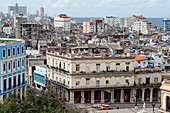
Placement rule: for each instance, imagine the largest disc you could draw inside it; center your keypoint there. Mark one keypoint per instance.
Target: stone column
(1, 98)
(132, 95)
(17, 93)
(82, 97)
(143, 95)
(112, 96)
(102, 96)
(92, 96)
(21, 93)
(25, 91)
(151, 94)
(71, 96)
(122, 96)
(159, 95)
(7, 95)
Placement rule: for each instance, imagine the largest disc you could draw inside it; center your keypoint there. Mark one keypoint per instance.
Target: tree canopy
(46, 102)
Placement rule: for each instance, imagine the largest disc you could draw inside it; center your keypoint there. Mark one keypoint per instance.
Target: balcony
(140, 70)
(98, 86)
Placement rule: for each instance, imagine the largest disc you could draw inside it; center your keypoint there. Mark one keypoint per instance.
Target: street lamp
(153, 105)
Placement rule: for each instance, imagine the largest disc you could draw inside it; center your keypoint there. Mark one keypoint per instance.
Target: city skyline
(95, 8)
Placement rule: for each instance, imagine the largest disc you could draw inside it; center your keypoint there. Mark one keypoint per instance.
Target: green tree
(46, 102)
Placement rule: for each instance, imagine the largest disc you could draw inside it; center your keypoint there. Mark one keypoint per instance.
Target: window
(52, 75)
(4, 67)
(117, 81)
(127, 63)
(156, 80)
(98, 68)
(14, 51)
(13, 64)
(87, 68)
(77, 83)
(127, 68)
(117, 66)
(19, 80)
(14, 81)
(4, 54)
(97, 83)
(77, 67)
(22, 50)
(22, 62)
(107, 81)
(127, 81)
(9, 52)
(56, 78)
(9, 82)
(87, 81)
(9, 66)
(18, 50)
(140, 80)
(64, 81)
(18, 63)
(23, 78)
(147, 80)
(64, 65)
(108, 68)
(68, 82)
(4, 81)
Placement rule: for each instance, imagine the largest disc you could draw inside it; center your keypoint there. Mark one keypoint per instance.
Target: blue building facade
(40, 74)
(12, 68)
(166, 25)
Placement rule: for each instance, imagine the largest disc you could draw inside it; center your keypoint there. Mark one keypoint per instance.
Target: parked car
(98, 105)
(105, 107)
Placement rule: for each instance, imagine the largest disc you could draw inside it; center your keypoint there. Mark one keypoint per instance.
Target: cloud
(129, 3)
(61, 3)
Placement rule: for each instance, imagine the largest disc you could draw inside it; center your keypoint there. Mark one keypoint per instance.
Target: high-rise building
(17, 26)
(166, 25)
(62, 23)
(19, 10)
(12, 68)
(128, 22)
(42, 11)
(142, 27)
(87, 27)
(112, 21)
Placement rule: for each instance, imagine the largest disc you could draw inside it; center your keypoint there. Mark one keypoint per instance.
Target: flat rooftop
(9, 41)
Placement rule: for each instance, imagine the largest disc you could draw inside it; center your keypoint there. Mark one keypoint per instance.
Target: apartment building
(32, 61)
(91, 78)
(112, 21)
(29, 30)
(87, 27)
(142, 27)
(12, 68)
(166, 25)
(128, 22)
(62, 23)
(40, 74)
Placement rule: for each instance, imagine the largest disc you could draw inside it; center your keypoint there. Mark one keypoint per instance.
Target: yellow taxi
(105, 107)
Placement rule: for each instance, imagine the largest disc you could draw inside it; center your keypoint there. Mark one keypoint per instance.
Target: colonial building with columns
(165, 97)
(147, 84)
(12, 68)
(100, 77)
(91, 79)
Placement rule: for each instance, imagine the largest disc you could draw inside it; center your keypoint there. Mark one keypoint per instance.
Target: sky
(94, 8)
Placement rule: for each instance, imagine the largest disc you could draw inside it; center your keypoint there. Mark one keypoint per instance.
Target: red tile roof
(140, 58)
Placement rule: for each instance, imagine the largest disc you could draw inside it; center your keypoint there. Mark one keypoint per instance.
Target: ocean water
(155, 21)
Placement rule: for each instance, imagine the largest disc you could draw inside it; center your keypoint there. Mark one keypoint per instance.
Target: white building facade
(62, 22)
